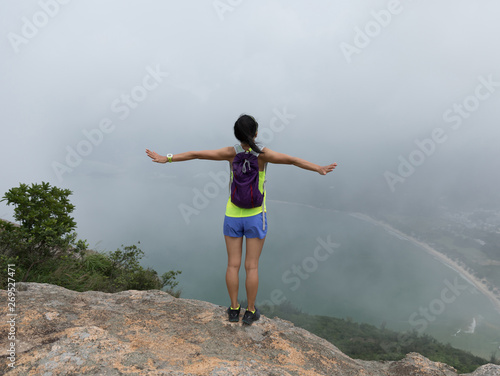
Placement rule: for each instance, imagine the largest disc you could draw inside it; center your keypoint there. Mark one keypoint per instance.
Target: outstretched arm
(215, 155)
(280, 158)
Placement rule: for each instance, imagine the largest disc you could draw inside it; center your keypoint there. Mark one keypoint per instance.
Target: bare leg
(253, 251)
(234, 250)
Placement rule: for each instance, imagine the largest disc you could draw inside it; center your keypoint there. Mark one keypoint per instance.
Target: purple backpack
(245, 191)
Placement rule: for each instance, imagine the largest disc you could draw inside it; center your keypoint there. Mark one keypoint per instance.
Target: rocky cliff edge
(63, 332)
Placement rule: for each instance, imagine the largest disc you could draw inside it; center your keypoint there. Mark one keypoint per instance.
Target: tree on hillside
(45, 229)
(43, 247)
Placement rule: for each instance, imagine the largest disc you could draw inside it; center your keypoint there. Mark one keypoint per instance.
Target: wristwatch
(169, 157)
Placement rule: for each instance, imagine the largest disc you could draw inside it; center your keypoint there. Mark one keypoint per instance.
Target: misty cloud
(87, 86)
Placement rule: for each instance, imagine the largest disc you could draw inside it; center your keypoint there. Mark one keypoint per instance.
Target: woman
(241, 222)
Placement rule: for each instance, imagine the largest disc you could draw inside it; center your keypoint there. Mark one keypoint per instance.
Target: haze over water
(372, 276)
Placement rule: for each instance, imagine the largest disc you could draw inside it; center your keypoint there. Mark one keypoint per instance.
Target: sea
(334, 263)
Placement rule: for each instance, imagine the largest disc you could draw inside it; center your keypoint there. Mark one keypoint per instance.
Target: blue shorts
(251, 227)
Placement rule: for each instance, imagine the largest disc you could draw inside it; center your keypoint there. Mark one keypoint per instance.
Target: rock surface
(63, 332)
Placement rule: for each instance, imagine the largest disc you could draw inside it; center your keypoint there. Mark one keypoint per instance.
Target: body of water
(330, 263)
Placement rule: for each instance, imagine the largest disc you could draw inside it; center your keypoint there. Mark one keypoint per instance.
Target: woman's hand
(156, 157)
(323, 170)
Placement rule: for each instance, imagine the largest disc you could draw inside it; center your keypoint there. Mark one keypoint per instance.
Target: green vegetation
(367, 342)
(44, 248)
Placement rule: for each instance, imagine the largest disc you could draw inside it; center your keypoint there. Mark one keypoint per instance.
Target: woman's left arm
(280, 158)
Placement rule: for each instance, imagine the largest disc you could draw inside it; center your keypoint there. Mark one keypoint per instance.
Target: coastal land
(481, 285)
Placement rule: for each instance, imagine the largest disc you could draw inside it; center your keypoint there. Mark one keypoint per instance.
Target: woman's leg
(253, 251)
(234, 250)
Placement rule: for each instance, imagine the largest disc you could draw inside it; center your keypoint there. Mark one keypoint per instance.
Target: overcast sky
(389, 90)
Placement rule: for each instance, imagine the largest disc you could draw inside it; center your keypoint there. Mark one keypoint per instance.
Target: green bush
(125, 272)
(46, 227)
(97, 263)
(44, 248)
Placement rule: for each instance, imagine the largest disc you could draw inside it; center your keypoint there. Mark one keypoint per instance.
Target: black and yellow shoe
(234, 314)
(249, 317)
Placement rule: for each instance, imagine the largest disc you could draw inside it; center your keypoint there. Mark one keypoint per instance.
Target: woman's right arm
(223, 154)
(280, 158)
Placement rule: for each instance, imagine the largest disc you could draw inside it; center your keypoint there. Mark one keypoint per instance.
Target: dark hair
(245, 130)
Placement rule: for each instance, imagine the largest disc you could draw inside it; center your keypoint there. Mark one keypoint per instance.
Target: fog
(402, 95)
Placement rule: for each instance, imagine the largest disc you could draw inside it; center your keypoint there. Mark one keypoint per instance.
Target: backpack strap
(238, 148)
(264, 201)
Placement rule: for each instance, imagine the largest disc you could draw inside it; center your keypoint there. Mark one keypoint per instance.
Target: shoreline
(473, 280)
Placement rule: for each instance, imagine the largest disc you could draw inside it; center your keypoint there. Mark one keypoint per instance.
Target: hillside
(365, 341)
(60, 332)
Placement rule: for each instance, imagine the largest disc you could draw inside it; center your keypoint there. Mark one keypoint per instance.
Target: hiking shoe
(249, 317)
(234, 314)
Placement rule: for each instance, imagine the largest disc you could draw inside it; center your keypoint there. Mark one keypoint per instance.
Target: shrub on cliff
(45, 230)
(44, 248)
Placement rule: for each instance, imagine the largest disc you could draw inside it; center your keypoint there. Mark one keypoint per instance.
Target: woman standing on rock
(246, 206)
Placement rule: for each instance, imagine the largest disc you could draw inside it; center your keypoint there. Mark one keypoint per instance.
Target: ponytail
(254, 146)
(245, 129)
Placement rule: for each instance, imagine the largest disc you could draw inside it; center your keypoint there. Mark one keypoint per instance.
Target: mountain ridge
(60, 331)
